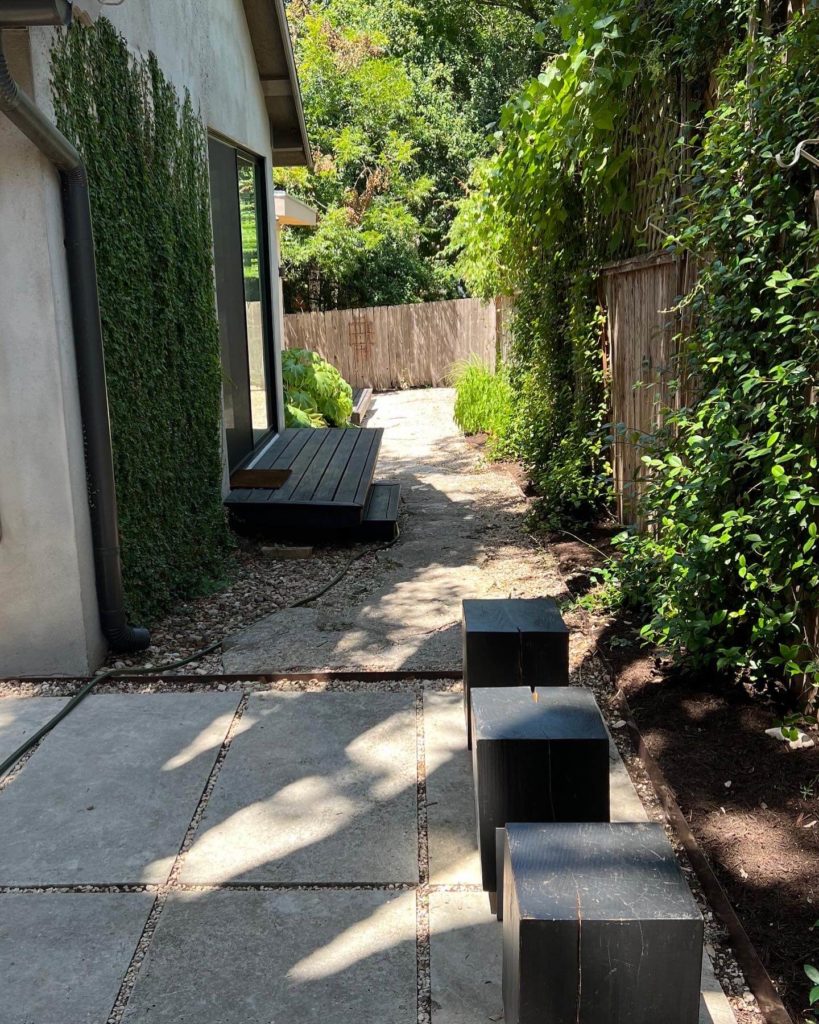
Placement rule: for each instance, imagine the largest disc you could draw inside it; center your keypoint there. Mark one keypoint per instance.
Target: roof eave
(270, 35)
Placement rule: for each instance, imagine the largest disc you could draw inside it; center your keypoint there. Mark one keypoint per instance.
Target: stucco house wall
(48, 605)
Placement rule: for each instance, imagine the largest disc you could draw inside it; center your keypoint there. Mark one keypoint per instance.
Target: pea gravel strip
(145, 939)
(422, 936)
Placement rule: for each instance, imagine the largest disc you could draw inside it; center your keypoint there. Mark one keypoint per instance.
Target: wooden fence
(643, 363)
(401, 346)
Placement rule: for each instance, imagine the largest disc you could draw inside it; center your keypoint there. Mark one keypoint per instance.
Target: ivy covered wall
(145, 151)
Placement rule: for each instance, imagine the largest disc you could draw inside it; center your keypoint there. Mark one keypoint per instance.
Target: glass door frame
(231, 290)
(261, 173)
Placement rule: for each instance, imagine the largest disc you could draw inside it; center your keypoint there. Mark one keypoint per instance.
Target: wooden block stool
(513, 642)
(536, 757)
(599, 927)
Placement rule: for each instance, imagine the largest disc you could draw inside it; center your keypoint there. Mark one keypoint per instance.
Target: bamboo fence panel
(385, 347)
(646, 373)
(504, 314)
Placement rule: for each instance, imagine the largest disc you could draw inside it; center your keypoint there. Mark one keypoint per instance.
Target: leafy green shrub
(729, 569)
(315, 393)
(146, 155)
(813, 975)
(483, 402)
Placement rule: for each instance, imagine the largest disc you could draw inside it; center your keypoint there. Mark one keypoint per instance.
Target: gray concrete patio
(247, 858)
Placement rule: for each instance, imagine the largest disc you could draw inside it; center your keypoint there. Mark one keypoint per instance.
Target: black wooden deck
(331, 476)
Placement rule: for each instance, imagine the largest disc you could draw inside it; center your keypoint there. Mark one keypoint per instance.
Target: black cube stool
(513, 642)
(536, 757)
(599, 927)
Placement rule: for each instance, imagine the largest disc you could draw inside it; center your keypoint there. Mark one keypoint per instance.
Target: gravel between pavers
(172, 684)
(259, 584)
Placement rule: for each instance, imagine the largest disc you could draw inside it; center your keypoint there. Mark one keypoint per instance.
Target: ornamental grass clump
(483, 403)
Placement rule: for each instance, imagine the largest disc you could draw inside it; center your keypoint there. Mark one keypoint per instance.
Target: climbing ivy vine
(586, 151)
(145, 151)
(586, 173)
(729, 568)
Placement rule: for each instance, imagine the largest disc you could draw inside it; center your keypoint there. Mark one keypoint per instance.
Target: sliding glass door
(241, 254)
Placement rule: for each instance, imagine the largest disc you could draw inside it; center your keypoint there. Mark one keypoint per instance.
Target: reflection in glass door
(252, 267)
(241, 257)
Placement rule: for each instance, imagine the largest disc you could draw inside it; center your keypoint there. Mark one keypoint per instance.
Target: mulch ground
(752, 803)
(754, 807)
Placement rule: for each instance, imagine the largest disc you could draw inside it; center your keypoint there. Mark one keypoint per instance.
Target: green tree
(399, 99)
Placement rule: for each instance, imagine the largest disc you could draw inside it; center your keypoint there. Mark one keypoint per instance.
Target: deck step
(380, 520)
(362, 398)
(327, 490)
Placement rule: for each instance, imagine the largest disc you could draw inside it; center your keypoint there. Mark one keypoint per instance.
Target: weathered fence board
(644, 365)
(384, 347)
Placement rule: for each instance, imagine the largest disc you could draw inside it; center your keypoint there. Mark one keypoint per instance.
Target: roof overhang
(270, 35)
(293, 212)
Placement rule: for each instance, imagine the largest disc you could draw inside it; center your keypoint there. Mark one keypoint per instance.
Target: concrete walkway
(285, 854)
(267, 857)
(461, 537)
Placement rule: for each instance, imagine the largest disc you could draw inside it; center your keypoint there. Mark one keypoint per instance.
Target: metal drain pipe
(87, 328)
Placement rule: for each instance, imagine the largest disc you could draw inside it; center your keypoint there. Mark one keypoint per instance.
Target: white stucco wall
(48, 609)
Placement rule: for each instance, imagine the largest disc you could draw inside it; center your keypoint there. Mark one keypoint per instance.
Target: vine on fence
(584, 153)
(146, 158)
(729, 568)
(583, 175)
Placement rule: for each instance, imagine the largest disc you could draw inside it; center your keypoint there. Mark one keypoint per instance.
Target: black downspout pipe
(85, 316)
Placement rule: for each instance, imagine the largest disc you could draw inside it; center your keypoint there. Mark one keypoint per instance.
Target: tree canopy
(400, 101)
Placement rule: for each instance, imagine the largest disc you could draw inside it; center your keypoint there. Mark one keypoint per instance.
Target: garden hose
(35, 738)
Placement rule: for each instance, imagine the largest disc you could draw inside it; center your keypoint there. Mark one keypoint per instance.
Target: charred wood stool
(536, 757)
(513, 642)
(599, 927)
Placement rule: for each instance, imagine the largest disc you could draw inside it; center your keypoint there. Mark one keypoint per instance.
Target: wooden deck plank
(238, 495)
(269, 455)
(293, 440)
(277, 455)
(395, 502)
(328, 485)
(306, 487)
(301, 463)
(368, 471)
(350, 481)
(377, 503)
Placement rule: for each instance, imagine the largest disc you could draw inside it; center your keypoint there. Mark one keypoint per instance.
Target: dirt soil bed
(754, 807)
(752, 803)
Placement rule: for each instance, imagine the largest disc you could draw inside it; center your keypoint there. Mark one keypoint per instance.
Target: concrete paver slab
(251, 957)
(466, 958)
(320, 787)
(714, 1007)
(63, 955)
(21, 717)
(453, 851)
(624, 800)
(109, 795)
